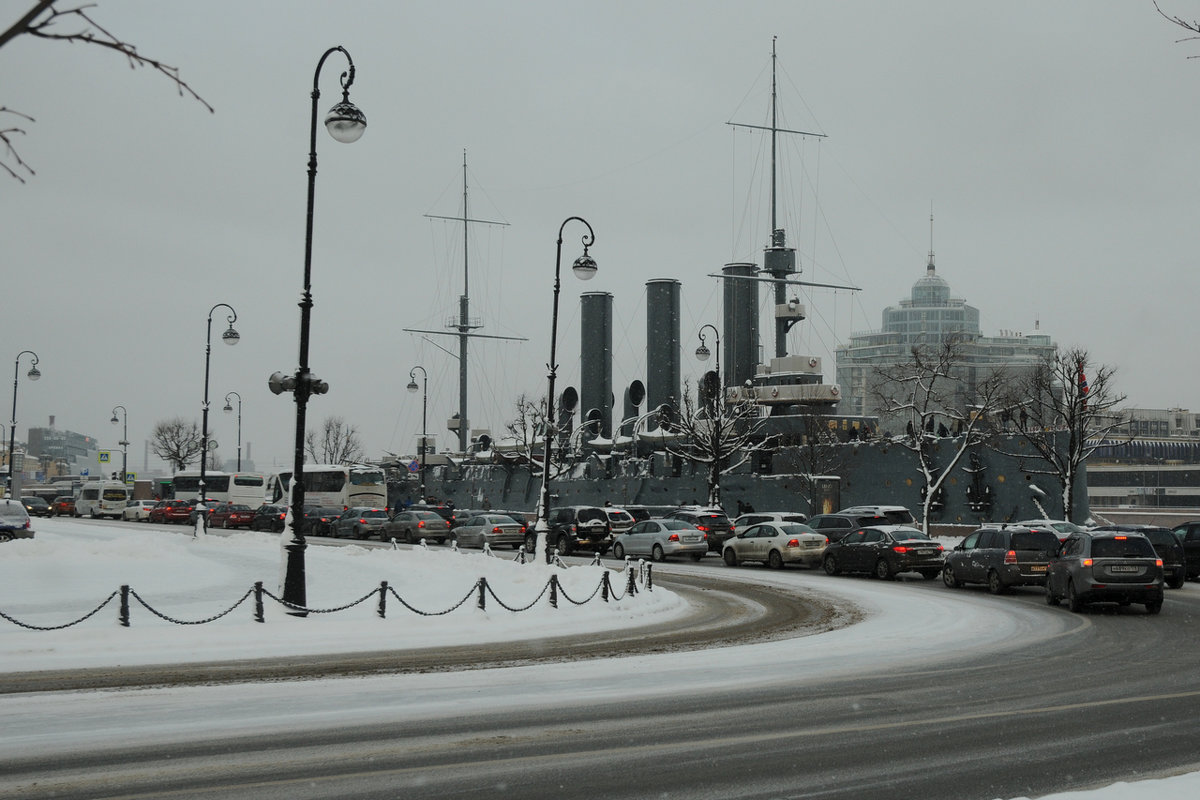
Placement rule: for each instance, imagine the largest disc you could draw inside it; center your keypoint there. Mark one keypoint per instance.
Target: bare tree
(337, 443)
(718, 434)
(819, 453)
(1065, 409)
(1193, 26)
(72, 25)
(939, 407)
(527, 433)
(176, 441)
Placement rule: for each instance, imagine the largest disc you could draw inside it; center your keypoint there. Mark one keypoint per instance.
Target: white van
(102, 499)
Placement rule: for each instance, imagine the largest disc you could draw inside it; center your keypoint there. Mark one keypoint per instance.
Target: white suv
(897, 515)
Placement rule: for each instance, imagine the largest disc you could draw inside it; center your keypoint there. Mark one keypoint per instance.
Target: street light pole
(702, 353)
(412, 387)
(230, 337)
(14, 480)
(228, 408)
(124, 441)
(345, 123)
(584, 269)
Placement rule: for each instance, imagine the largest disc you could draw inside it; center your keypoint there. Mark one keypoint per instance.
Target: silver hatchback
(490, 529)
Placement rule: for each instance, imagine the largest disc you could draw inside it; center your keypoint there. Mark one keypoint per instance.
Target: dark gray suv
(1106, 566)
(1001, 557)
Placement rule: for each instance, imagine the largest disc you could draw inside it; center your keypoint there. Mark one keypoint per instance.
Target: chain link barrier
(480, 589)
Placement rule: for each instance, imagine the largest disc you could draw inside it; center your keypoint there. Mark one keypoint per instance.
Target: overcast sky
(1054, 141)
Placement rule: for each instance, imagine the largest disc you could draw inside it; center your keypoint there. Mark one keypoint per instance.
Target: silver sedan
(659, 538)
(494, 529)
(776, 544)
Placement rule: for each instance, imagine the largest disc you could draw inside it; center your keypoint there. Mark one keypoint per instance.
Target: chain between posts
(480, 590)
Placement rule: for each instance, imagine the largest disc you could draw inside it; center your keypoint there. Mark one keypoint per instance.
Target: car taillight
(702, 528)
(901, 549)
(1158, 562)
(496, 529)
(522, 529)
(1010, 557)
(363, 521)
(793, 543)
(1085, 562)
(674, 537)
(421, 524)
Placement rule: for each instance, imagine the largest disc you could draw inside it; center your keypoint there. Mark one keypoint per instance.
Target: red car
(230, 515)
(63, 506)
(171, 511)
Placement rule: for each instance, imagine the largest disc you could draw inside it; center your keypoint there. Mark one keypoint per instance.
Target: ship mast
(779, 260)
(464, 324)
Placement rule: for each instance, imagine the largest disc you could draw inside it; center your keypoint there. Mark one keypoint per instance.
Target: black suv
(1001, 557)
(1188, 535)
(1106, 566)
(268, 518)
(835, 526)
(1168, 547)
(575, 528)
(712, 521)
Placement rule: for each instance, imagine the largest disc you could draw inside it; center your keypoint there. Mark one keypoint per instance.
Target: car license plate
(691, 538)
(1038, 568)
(925, 552)
(1124, 568)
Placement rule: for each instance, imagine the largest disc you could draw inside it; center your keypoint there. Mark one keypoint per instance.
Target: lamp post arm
(12, 431)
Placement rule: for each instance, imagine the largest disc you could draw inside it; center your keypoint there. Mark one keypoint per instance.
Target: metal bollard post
(521, 555)
(630, 582)
(482, 591)
(125, 606)
(554, 591)
(650, 577)
(605, 588)
(258, 603)
(383, 587)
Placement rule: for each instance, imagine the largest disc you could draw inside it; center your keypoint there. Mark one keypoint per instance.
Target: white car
(753, 518)
(138, 510)
(776, 544)
(659, 538)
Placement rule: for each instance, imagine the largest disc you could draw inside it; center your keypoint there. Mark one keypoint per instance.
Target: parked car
(413, 526)
(749, 520)
(660, 538)
(14, 521)
(1188, 535)
(1061, 526)
(712, 521)
(884, 551)
(1106, 566)
(63, 506)
(1166, 545)
(138, 510)
(492, 529)
(230, 515)
(359, 522)
(575, 528)
(835, 526)
(776, 544)
(640, 513)
(896, 515)
(36, 506)
(268, 517)
(1001, 557)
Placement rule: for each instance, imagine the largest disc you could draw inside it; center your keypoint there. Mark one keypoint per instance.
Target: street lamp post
(702, 353)
(230, 337)
(345, 123)
(14, 479)
(228, 408)
(584, 269)
(412, 387)
(124, 440)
